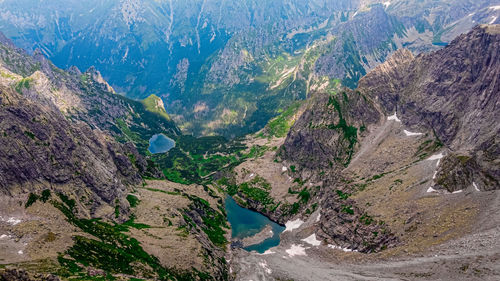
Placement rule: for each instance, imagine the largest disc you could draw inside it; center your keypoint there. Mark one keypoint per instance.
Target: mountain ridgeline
(227, 67)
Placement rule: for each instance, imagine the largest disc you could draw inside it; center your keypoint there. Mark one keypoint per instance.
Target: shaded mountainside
(41, 149)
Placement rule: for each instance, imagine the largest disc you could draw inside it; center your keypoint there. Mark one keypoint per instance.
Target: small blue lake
(440, 44)
(160, 144)
(246, 223)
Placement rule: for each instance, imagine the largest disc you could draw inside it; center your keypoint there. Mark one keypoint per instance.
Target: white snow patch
(284, 169)
(263, 264)
(296, 250)
(436, 157)
(291, 225)
(268, 252)
(411, 134)
(495, 7)
(394, 117)
(11, 220)
(458, 191)
(20, 252)
(431, 190)
(318, 217)
(493, 20)
(3, 236)
(435, 174)
(475, 186)
(312, 240)
(387, 4)
(340, 248)
(252, 175)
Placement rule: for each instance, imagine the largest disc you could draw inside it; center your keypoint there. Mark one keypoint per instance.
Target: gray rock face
(347, 225)
(326, 135)
(40, 147)
(321, 144)
(453, 92)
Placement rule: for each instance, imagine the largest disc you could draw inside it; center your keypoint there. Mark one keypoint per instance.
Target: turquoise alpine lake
(246, 223)
(160, 144)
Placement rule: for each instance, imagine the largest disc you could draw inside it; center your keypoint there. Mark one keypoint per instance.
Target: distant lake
(160, 144)
(246, 223)
(440, 44)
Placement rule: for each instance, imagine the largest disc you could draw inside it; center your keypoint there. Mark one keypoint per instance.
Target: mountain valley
(359, 137)
(225, 67)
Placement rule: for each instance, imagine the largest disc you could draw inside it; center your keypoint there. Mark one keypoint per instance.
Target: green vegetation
(214, 222)
(304, 196)
(279, 126)
(133, 200)
(154, 104)
(350, 133)
(376, 177)
(111, 249)
(24, 83)
(366, 219)
(175, 193)
(342, 195)
(32, 198)
(347, 209)
(427, 148)
(295, 208)
(256, 151)
(30, 135)
(194, 160)
(352, 62)
(131, 128)
(258, 190)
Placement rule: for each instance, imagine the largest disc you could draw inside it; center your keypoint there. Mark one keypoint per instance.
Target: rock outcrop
(453, 93)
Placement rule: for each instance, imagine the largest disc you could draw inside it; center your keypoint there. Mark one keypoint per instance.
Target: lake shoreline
(258, 238)
(251, 230)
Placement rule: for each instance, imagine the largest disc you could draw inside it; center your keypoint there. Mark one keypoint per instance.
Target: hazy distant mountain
(229, 66)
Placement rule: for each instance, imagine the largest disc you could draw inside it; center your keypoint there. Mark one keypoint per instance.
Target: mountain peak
(155, 104)
(95, 75)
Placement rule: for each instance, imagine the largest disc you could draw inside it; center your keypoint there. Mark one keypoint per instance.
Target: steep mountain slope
(403, 165)
(435, 93)
(75, 190)
(227, 67)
